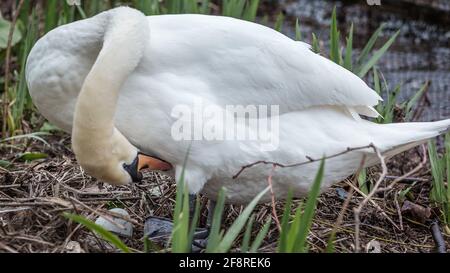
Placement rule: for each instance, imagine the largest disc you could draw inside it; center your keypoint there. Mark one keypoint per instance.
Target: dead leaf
(417, 212)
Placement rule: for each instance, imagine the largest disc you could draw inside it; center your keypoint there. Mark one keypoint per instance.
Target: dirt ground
(34, 195)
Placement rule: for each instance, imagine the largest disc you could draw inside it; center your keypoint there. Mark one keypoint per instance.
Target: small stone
(74, 247)
(156, 227)
(373, 247)
(342, 193)
(120, 226)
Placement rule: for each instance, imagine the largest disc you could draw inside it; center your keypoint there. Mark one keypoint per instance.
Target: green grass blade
(298, 32)
(68, 15)
(261, 235)
(24, 13)
(251, 10)
(238, 224)
(377, 88)
(93, 8)
(437, 173)
(349, 50)
(146, 244)
(447, 163)
(308, 214)
(376, 56)
(205, 9)
(368, 47)
(181, 221)
(279, 22)
(315, 44)
(35, 136)
(106, 235)
(23, 99)
(5, 27)
(248, 233)
(414, 100)
(334, 38)
(293, 230)
(5, 164)
(376, 80)
(214, 233)
(362, 181)
(31, 156)
(282, 240)
(51, 16)
(149, 246)
(190, 6)
(180, 231)
(390, 105)
(194, 222)
(238, 8)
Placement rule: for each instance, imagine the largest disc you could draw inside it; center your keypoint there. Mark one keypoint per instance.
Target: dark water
(421, 51)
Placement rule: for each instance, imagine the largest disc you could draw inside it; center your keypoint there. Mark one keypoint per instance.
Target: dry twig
(358, 210)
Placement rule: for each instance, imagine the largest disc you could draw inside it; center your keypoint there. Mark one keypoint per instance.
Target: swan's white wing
(231, 61)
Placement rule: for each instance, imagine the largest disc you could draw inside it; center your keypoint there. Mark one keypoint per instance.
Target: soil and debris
(34, 195)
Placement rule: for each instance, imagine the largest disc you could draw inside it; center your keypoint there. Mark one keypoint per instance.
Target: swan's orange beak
(153, 163)
(143, 161)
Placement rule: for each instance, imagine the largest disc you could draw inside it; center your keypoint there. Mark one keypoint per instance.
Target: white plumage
(222, 61)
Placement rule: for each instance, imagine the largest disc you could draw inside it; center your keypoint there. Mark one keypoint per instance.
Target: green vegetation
(17, 109)
(440, 169)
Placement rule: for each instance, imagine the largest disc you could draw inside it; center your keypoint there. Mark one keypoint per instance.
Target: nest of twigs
(33, 197)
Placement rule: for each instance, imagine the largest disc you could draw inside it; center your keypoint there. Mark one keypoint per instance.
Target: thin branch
(399, 211)
(412, 179)
(310, 160)
(375, 205)
(346, 203)
(7, 248)
(413, 171)
(272, 194)
(358, 210)
(338, 223)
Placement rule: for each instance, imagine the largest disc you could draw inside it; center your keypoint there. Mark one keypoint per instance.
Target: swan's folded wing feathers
(247, 63)
(320, 81)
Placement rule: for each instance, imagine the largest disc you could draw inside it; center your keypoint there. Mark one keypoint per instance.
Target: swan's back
(225, 60)
(247, 63)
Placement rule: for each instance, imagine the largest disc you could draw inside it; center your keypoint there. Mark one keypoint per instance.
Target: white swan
(133, 70)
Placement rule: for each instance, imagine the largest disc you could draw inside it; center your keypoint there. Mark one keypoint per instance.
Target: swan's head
(111, 158)
(100, 148)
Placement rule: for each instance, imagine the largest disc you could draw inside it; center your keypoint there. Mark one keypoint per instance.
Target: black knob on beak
(133, 170)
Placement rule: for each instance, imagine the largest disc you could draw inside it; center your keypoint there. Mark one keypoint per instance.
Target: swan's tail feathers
(404, 136)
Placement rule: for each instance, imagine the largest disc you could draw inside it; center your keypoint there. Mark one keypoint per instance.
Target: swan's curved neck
(99, 147)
